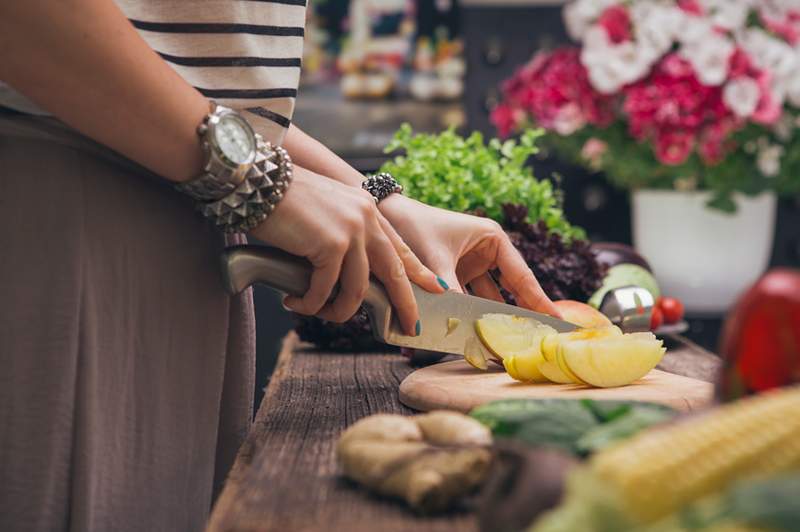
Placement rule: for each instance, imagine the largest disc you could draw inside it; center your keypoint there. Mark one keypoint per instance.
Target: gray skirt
(126, 372)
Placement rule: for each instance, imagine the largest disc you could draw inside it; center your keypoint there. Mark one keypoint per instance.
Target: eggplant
(613, 253)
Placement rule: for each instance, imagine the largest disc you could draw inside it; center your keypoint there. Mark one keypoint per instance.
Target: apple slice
(503, 334)
(553, 368)
(549, 367)
(476, 354)
(524, 365)
(452, 325)
(553, 373)
(615, 360)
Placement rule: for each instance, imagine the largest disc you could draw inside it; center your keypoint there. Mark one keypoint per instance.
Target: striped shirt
(245, 54)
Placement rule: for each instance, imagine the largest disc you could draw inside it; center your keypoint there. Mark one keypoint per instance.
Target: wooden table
(285, 476)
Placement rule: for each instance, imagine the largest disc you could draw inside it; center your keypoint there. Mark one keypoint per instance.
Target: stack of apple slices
(533, 352)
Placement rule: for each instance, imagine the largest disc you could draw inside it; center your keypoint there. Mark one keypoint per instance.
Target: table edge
(227, 498)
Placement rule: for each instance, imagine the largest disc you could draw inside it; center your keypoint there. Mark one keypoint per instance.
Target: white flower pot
(704, 257)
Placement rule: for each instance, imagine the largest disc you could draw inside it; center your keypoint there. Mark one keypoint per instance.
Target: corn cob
(660, 470)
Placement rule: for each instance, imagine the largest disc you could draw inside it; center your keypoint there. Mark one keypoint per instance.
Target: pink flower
(676, 66)
(740, 64)
(505, 118)
(673, 109)
(691, 6)
(593, 151)
(569, 119)
(671, 97)
(715, 142)
(554, 89)
(769, 108)
(674, 147)
(788, 28)
(617, 23)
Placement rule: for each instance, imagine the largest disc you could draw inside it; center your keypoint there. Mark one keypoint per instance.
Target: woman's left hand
(463, 249)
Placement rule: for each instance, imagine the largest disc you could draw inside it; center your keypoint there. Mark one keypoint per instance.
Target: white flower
(656, 26)
(695, 30)
(727, 14)
(569, 119)
(612, 66)
(791, 83)
(581, 14)
(773, 55)
(741, 96)
(792, 88)
(709, 58)
(777, 9)
(769, 160)
(784, 128)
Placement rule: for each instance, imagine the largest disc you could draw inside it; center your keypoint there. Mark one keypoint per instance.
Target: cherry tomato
(656, 318)
(671, 308)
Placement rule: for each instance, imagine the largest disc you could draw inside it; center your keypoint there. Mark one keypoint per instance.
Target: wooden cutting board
(455, 385)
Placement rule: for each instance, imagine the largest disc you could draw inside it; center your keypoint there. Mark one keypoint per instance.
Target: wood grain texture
(285, 476)
(455, 385)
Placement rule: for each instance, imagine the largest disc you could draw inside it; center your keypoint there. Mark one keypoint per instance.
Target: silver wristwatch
(230, 148)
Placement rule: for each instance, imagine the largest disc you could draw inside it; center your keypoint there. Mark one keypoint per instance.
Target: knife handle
(243, 266)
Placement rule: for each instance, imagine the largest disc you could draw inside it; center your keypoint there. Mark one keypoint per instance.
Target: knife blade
(243, 266)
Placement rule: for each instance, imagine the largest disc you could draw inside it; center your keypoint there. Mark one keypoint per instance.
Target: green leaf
(466, 174)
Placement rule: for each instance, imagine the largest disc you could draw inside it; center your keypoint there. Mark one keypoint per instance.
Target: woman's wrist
(393, 206)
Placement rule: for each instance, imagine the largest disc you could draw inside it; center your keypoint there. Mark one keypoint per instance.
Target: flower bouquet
(670, 94)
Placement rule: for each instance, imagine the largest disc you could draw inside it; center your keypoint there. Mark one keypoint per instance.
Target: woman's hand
(463, 249)
(340, 231)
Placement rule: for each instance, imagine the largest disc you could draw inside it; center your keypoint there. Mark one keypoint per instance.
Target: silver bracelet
(255, 198)
(381, 185)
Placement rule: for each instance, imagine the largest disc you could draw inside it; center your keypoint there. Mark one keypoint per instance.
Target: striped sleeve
(245, 54)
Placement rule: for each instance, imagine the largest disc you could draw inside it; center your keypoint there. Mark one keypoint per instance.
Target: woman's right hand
(341, 232)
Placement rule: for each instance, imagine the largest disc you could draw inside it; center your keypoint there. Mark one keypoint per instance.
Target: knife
(243, 266)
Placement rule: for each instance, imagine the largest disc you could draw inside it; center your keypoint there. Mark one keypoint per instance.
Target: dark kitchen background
(437, 64)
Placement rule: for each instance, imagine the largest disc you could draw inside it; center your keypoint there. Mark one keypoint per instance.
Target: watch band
(381, 185)
(206, 187)
(217, 179)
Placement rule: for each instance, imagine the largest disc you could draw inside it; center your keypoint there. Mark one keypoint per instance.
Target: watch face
(235, 139)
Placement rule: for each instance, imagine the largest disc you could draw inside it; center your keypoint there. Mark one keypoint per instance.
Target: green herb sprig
(466, 174)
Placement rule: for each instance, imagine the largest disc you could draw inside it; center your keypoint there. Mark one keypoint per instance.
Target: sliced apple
(565, 369)
(553, 373)
(503, 334)
(553, 368)
(581, 314)
(611, 361)
(549, 367)
(524, 365)
(452, 325)
(476, 354)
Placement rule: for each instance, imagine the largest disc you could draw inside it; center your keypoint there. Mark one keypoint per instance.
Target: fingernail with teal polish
(442, 283)
(418, 328)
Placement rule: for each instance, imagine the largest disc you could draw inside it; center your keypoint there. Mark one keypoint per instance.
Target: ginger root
(428, 460)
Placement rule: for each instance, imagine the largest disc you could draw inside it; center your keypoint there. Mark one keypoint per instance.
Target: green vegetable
(465, 175)
(580, 426)
(621, 427)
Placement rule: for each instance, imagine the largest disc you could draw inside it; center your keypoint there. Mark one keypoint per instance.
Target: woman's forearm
(82, 61)
(312, 154)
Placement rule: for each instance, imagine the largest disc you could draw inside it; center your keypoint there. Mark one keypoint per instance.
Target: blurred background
(371, 65)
